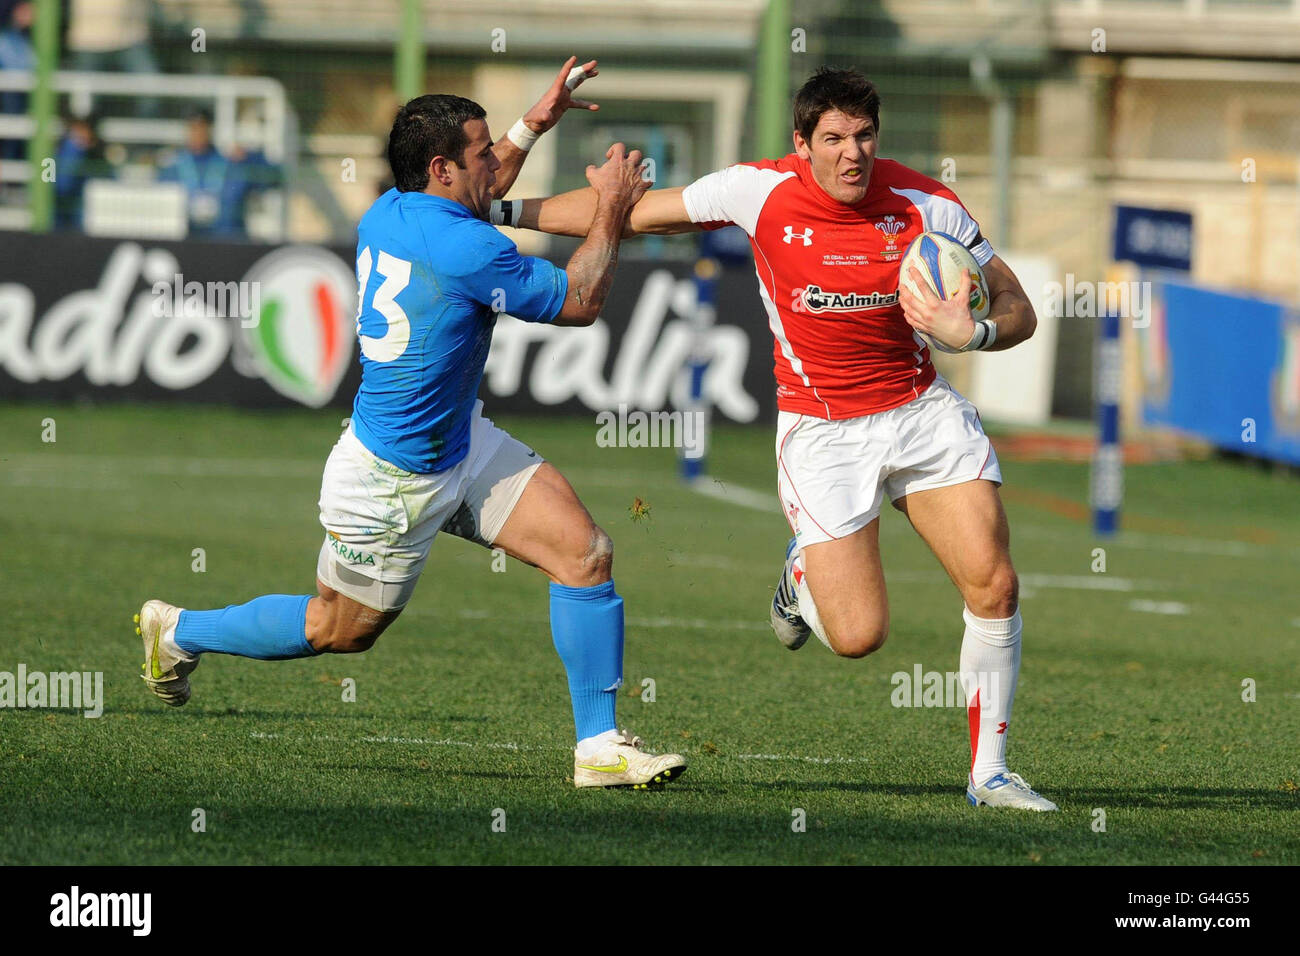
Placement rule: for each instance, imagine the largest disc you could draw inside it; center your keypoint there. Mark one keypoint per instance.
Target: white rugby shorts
(380, 520)
(832, 475)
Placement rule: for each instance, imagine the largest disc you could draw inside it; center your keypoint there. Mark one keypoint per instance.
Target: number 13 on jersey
(396, 275)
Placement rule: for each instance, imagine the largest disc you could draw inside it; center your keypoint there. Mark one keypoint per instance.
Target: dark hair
(426, 127)
(835, 89)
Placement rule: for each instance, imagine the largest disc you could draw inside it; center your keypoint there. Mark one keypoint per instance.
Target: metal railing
(273, 130)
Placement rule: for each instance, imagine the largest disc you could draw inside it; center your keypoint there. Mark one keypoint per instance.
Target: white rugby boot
(791, 629)
(1007, 790)
(166, 668)
(622, 763)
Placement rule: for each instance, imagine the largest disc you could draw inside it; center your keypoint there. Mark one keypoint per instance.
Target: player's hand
(548, 110)
(946, 320)
(622, 178)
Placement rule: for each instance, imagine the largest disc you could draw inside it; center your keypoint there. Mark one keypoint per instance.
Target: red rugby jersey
(828, 276)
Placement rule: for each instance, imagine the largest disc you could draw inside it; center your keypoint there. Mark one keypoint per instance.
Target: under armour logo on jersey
(791, 236)
(1002, 726)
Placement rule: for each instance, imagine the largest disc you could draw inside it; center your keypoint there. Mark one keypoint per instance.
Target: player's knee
(335, 633)
(356, 641)
(594, 562)
(999, 596)
(858, 639)
(348, 638)
(599, 559)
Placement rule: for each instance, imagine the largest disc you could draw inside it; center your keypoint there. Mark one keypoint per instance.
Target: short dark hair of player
(426, 127)
(829, 89)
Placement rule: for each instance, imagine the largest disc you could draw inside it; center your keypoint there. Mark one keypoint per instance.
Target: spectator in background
(252, 173)
(214, 187)
(80, 157)
(15, 54)
(112, 35)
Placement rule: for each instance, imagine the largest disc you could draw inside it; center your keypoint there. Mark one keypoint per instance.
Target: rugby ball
(940, 259)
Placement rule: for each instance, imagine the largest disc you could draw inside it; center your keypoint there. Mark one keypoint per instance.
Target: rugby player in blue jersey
(419, 457)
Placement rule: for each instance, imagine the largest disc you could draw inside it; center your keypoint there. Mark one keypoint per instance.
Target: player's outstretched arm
(512, 148)
(616, 187)
(660, 212)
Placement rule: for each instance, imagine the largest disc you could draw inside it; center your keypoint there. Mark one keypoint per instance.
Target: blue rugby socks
(269, 628)
(587, 628)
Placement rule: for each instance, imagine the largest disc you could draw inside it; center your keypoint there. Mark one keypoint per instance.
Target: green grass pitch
(1124, 705)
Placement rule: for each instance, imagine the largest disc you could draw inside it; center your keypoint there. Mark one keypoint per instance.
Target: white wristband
(985, 334)
(522, 136)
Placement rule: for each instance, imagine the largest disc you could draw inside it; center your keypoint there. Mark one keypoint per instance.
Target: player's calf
(855, 629)
(842, 594)
(550, 529)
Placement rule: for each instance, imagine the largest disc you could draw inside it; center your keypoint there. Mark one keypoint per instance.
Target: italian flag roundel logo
(301, 342)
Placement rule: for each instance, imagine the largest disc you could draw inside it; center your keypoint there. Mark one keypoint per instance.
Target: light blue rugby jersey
(430, 275)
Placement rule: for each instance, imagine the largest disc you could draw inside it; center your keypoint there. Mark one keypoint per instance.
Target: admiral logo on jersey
(815, 300)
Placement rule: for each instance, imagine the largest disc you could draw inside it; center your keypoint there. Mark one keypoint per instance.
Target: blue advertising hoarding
(1223, 367)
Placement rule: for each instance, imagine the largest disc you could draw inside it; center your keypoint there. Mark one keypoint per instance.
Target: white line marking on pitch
(1067, 582)
(699, 623)
(1161, 542)
(802, 759)
(1159, 607)
(735, 494)
(175, 465)
(690, 623)
(422, 741)
(1231, 549)
(1081, 582)
(508, 745)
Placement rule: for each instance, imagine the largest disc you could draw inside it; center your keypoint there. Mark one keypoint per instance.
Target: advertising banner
(266, 326)
(1225, 368)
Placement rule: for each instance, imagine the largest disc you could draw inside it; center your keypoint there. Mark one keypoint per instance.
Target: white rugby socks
(808, 607)
(588, 747)
(990, 666)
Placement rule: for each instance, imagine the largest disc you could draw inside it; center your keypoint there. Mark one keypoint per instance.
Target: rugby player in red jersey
(862, 411)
